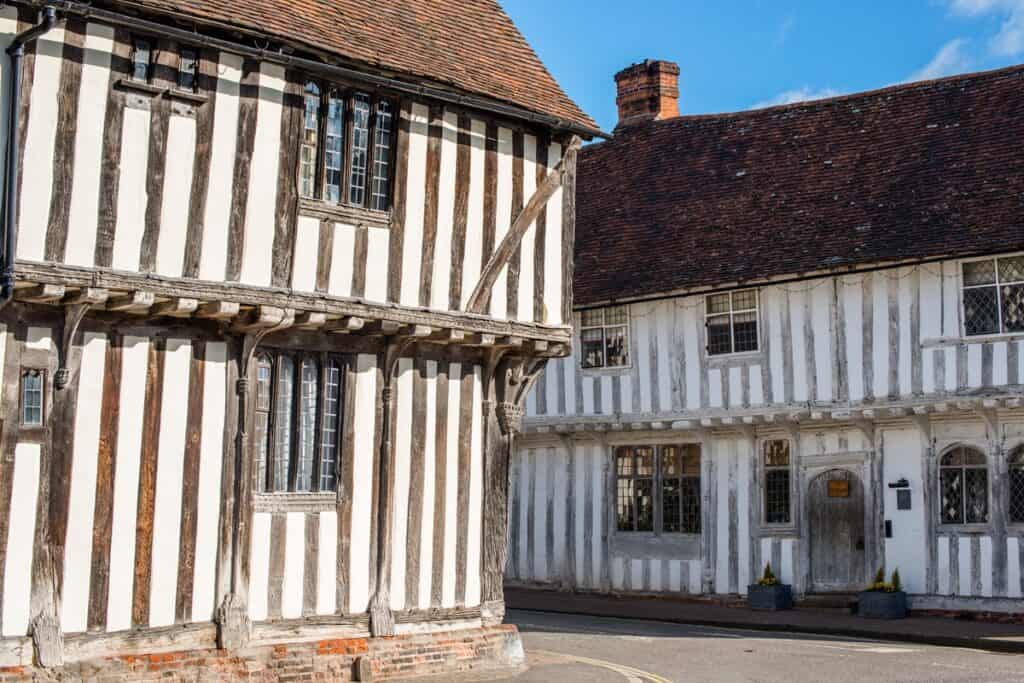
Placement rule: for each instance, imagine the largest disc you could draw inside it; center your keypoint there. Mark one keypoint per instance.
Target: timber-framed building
(278, 277)
(800, 342)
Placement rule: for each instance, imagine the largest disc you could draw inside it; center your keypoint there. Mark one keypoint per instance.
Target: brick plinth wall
(488, 648)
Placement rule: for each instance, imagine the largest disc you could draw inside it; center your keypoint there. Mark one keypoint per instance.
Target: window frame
(1014, 461)
(153, 47)
(756, 310)
(999, 297)
(265, 484)
(604, 326)
(43, 412)
(765, 468)
(657, 479)
(963, 523)
(347, 94)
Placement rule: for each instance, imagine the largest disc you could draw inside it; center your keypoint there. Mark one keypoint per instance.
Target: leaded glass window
(297, 422)
(381, 189)
(963, 487)
(993, 296)
(777, 475)
(347, 143)
(188, 69)
(32, 383)
(310, 141)
(604, 337)
(658, 489)
(142, 59)
(731, 321)
(1016, 507)
(360, 148)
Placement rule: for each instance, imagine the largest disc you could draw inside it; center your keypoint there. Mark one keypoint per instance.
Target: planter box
(880, 605)
(771, 598)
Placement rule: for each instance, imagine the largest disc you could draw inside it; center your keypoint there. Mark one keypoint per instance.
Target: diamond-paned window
(963, 487)
(993, 296)
(1016, 486)
(658, 489)
(604, 337)
(731, 321)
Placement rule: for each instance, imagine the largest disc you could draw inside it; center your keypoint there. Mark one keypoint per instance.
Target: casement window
(296, 425)
(347, 147)
(1016, 507)
(142, 59)
(993, 296)
(604, 337)
(32, 411)
(657, 489)
(731, 321)
(778, 472)
(963, 487)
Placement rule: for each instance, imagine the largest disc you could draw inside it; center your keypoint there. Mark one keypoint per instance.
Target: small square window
(604, 338)
(32, 383)
(188, 70)
(142, 59)
(993, 296)
(731, 322)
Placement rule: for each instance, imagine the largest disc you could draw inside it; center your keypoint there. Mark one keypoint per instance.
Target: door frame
(866, 466)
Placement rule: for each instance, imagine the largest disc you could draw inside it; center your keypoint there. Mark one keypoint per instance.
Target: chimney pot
(647, 91)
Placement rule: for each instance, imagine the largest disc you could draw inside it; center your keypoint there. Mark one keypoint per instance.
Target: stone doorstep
(928, 629)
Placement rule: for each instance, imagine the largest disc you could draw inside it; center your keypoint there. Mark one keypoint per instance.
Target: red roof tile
(910, 172)
(469, 45)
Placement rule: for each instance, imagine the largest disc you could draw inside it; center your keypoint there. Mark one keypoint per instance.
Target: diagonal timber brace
(554, 180)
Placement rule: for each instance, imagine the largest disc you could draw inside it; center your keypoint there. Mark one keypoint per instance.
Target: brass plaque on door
(839, 488)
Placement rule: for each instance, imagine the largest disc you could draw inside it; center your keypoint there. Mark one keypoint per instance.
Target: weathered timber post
(382, 621)
(509, 383)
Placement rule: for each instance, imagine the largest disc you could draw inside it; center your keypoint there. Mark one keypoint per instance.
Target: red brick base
(486, 648)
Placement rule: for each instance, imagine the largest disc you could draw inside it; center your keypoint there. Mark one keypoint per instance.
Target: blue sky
(740, 54)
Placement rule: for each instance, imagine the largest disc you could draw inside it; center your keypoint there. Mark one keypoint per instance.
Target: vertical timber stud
(508, 382)
(233, 625)
(382, 621)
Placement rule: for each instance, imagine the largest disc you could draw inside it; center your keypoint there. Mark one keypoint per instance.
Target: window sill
(616, 371)
(295, 502)
(776, 530)
(139, 87)
(340, 213)
(187, 96)
(965, 529)
(724, 360)
(939, 342)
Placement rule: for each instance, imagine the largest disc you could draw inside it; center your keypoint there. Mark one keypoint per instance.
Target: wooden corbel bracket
(74, 312)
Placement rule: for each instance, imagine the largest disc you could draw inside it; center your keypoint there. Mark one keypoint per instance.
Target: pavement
(937, 631)
(568, 648)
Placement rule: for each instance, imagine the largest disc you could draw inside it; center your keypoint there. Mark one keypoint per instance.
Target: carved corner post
(382, 620)
(233, 626)
(507, 381)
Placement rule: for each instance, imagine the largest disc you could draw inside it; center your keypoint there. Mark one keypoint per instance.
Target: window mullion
(371, 149)
(318, 423)
(656, 494)
(271, 436)
(320, 173)
(296, 435)
(346, 181)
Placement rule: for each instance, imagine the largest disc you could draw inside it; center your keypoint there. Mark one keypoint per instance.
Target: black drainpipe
(16, 50)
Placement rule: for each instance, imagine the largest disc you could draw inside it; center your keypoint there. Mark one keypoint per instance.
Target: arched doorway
(835, 509)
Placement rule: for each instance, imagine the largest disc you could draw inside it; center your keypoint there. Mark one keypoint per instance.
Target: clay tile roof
(916, 171)
(468, 45)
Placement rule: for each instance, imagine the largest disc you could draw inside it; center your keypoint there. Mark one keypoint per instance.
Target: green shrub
(768, 579)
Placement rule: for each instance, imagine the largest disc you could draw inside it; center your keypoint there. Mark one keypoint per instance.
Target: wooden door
(835, 508)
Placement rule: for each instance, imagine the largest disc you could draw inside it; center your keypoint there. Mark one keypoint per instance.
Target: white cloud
(952, 58)
(804, 94)
(1009, 41)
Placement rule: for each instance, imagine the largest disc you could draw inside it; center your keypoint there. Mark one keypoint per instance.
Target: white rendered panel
(82, 503)
(327, 564)
(363, 422)
(342, 260)
(852, 301)
(442, 273)
(986, 566)
(476, 485)
(211, 450)
(499, 292)
(169, 478)
(85, 190)
(400, 488)
(40, 140)
(880, 333)
(181, 147)
(377, 241)
(821, 327)
(539, 570)
(930, 310)
(426, 559)
(259, 568)
(974, 377)
(219, 191)
(799, 358)
(787, 561)
(451, 481)
(662, 329)
(415, 195)
(964, 559)
(999, 364)
(134, 364)
(942, 569)
(693, 353)
(131, 192)
(473, 256)
(307, 246)
(904, 301)
(294, 565)
(1013, 568)
(261, 205)
(17, 574)
(553, 267)
(524, 308)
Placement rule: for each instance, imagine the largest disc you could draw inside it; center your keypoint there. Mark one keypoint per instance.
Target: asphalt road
(580, 649)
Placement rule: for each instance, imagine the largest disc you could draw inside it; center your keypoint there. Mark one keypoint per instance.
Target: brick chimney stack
(647, 91)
